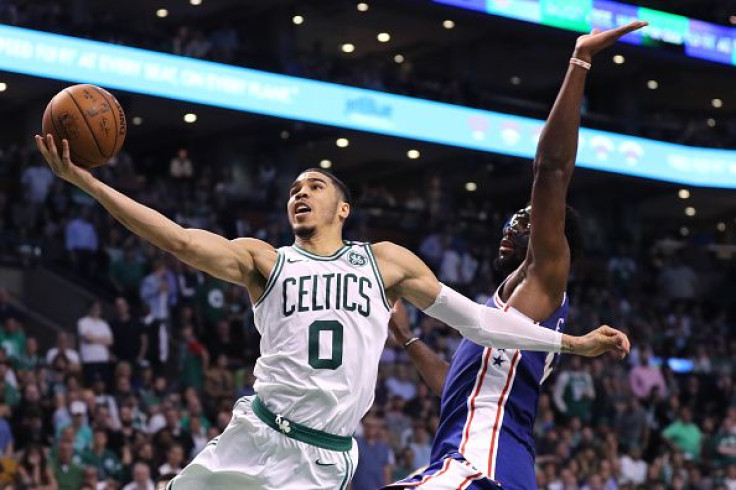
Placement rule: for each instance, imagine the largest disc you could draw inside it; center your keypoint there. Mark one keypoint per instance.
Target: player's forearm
(431, 367)
(492, 327)
(139, 219)
(558, 143)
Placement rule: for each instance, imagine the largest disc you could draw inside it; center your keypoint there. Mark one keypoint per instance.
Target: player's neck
(321, 244)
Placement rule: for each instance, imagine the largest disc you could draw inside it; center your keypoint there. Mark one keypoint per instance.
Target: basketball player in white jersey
(322, 309)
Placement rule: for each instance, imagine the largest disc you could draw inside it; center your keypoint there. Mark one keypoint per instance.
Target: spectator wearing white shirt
(95, 339)
(633, 469)
(174, 461)
(62, 348)
(141, 478)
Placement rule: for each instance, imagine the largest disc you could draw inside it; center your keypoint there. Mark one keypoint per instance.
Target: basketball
(91, 119)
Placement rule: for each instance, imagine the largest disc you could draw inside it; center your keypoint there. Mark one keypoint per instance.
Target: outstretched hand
(601, 340)
(591, 44)
(61, 165)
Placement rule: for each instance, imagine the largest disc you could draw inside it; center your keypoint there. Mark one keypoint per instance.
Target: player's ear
(343, 210)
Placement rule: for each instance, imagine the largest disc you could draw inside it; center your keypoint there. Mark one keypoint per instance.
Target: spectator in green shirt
(725, 443)
(684, 434)
(69, 474)
(13, 338)
(106, 461)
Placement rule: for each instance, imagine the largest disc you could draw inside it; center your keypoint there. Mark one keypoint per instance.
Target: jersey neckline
(314, 256)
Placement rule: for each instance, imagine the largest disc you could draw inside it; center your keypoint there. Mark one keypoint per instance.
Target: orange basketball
(91, 119)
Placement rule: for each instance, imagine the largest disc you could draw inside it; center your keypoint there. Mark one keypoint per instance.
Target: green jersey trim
(348, 470)
(334, 256)
(377, 273)
(299, 432)
(272, 278)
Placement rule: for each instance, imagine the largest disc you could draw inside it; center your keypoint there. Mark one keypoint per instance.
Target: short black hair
(574, 232)
(341, 186)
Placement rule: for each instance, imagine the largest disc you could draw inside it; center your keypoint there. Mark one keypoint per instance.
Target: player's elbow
(179, 244)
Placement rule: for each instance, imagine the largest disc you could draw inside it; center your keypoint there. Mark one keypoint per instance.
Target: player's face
(314, 201)
(514, 242)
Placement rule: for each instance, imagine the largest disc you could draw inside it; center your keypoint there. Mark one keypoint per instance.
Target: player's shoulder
(251, 245)
(389, 250)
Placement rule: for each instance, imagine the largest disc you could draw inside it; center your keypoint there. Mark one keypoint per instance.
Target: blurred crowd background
(125, 395)
(134, 394)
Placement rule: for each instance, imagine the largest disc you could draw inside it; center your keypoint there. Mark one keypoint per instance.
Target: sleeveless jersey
(323, 323)
(489, 403)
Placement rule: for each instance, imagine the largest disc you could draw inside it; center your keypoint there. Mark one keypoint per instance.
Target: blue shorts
(452, 472)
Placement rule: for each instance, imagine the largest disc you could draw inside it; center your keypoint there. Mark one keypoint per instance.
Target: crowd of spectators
(126, 399)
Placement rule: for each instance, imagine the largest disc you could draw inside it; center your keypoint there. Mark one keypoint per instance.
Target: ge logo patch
(357, 259)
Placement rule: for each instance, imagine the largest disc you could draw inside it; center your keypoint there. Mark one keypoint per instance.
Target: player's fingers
(41, 145)
(51, 145)
(66, 156)
(631, 27)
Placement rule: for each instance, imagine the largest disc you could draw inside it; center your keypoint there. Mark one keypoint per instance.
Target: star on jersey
(497, 361)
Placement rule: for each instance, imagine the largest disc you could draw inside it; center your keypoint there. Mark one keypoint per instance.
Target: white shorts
(251, 455)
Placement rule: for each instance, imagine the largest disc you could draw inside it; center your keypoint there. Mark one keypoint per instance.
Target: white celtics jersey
(323, 323)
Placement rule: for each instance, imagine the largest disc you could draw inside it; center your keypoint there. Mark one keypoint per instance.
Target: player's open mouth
(301, 209)
(506, 246)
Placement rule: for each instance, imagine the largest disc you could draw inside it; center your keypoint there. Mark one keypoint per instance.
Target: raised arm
(229, 260)
(431, 367)
(405, 275)
(548, 254)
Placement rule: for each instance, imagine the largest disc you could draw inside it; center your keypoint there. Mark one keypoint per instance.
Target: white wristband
(580, 63)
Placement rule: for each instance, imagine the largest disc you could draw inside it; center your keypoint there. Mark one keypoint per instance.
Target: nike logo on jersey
(291, 261)
(320, 463)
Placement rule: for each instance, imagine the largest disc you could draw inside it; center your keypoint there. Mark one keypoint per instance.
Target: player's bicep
(229, 260)
(411, 278)
(547, 240)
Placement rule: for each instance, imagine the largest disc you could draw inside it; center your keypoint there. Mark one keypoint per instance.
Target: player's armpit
(229, 260)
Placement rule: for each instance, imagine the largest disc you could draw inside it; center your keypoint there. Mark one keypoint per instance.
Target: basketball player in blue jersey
(489, 395)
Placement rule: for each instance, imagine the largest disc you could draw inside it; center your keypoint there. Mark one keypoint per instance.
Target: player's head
(515, 240)
(317, 199)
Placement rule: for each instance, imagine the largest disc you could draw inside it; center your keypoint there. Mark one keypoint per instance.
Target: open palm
(591, 44)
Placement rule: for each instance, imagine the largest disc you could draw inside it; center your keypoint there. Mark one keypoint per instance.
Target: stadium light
(342, 142)
(3, 86)
(399, 58)
(413, 154)
(297, 20)
(619, 59)
(348, 48)
(190, 118)
(652, 85)
(137, 120)
(195, 2)
(384, 37)
(690, 211)
(448, 24)
(161, 13)
(363, 7)
(684, 231)
(515, 80)
(717, 103)
(325, 163)
(721, 226)
(711, 122)
(471, 186)
(683, 194)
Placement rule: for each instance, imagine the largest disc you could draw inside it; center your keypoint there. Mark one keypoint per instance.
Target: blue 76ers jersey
(489, 404)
